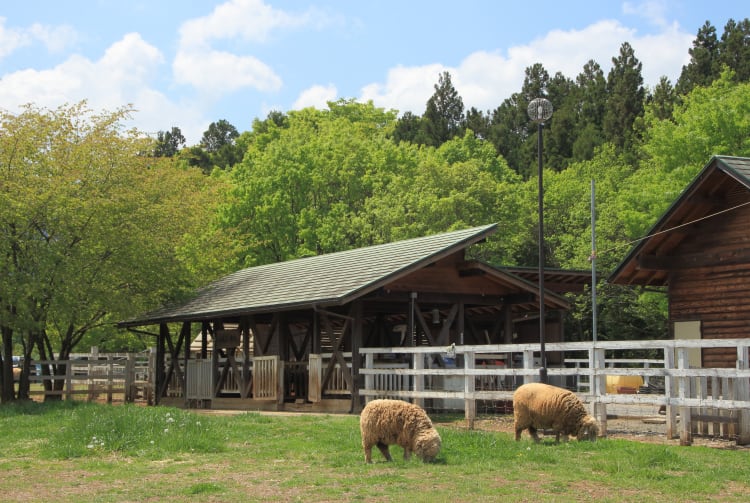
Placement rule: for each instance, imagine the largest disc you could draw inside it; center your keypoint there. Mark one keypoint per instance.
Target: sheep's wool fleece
(396, 422)
(538, 406)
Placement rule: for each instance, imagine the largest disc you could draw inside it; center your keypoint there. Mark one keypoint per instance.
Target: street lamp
(540, 110)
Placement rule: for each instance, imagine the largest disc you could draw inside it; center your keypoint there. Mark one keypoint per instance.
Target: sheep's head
(427, 445)
(589, 429)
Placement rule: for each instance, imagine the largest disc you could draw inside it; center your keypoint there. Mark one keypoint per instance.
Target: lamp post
(540, 110)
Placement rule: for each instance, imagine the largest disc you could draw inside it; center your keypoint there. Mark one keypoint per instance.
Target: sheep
(538, 405)
(388, 422)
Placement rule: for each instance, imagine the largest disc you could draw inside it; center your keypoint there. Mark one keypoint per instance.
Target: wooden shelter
(287, 335)
(700, 250)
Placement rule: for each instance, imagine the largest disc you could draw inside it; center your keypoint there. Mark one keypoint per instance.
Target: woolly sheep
(539, 406)
(388, 422)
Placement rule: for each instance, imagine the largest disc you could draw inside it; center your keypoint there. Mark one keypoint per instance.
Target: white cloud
(250, 20)
(222, 72)
(653, 11)
(316, 96)
(199, 64)
(484, 79)
(11, 39)
(55, 39)
(120, 77)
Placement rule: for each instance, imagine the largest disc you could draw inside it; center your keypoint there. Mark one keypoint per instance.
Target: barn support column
(357, 336)
(161, 342)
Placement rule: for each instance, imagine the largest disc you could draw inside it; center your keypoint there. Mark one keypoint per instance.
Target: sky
(188, 64)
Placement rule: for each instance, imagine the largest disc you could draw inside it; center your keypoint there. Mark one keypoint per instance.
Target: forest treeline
(99, 223)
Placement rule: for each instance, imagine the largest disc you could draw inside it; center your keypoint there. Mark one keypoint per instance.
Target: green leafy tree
(407, 128)
(89, 226)
(169, 143)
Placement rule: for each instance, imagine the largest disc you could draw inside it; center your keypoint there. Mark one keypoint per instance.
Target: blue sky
(188, 64)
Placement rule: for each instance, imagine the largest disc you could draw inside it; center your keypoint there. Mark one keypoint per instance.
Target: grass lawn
(74, 451)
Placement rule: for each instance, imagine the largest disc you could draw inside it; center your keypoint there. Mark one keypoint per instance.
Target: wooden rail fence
(710, 396)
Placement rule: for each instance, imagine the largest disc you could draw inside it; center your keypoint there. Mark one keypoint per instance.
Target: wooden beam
(695, 260)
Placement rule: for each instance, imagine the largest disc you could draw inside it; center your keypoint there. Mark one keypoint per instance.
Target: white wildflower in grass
(166, 430)
(170, 419)
(198, 423)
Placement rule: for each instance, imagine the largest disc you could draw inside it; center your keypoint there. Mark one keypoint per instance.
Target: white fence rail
(720, 396)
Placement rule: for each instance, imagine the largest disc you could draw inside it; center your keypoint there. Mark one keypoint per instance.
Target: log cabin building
(700, 251)
(287, 335)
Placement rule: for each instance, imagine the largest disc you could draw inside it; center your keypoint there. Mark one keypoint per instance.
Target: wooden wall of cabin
(711, 282)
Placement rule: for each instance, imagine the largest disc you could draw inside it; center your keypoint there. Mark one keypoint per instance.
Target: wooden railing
(687, 392)
(95, 376)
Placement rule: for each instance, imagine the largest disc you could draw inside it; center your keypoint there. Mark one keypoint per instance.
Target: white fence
(691, 397)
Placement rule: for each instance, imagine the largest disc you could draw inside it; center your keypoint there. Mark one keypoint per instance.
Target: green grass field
(91, 452)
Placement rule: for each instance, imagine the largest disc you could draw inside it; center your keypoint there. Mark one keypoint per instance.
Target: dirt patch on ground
(646, 429)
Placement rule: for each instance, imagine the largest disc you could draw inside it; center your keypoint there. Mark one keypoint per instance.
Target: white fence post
(599, 387)
(670, 390)
(686, 424)
(742, 393)
(418, 362)
(470, 404)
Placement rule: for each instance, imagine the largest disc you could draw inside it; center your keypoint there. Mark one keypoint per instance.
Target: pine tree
(703, 67)
(625, 97)
(444, 116)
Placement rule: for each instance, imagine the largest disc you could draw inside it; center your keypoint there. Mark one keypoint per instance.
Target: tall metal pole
(543, 352)
(593, 260)
(539, 110)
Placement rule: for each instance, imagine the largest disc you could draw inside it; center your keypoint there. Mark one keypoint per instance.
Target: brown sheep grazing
(389, 422)
(539, 406)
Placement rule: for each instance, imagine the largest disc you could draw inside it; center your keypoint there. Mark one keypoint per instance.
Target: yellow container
(624, 384)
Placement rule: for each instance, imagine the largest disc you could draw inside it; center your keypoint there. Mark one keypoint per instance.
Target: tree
(591, 92)
(168, 143)
(444, 114)
(662, 100)
(407, 128)
(625, 96)
(478, 122)
(90, 228)
(734, 49)
(703, 67)
(217, 135)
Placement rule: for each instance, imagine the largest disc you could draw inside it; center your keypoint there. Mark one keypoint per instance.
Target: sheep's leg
(368, 454)
(407, 454)
(384, 449)
(518, 434)
(533, 433)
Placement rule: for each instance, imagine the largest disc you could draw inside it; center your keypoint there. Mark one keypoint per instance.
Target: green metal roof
(331, 279)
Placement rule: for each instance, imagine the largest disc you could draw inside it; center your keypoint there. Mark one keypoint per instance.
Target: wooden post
(418, 379)
(528, 363)
(599, 388)
(470, 404)
(686, 426)
(742, 393)
(315, 369)
(670, 392)
(130, 378)
(69, 380)
(110, 365)
(369, 378)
